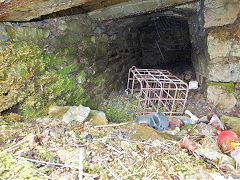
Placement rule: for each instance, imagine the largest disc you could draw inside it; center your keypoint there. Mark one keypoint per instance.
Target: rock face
(220, 12)
(223, 48)
(25, 10)
(221, 97)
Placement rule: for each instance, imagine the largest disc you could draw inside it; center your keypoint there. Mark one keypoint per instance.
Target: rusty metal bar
(159, 90)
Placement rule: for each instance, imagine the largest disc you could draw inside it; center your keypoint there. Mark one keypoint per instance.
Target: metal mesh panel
(159, 90)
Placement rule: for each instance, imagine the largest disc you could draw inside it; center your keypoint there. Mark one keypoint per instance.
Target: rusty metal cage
(159, 90)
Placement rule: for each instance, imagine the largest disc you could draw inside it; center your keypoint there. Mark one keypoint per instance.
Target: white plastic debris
(192, 116)
(193, 85)
(236, 156)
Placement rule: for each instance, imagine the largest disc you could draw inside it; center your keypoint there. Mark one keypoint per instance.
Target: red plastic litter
(226, 134)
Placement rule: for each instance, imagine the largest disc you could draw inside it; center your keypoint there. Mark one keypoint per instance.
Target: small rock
(175, 122)
(210, 143)
(69, 156)
(58, 111)
(232, 123)
(215, 155)
(98, 118)
(76, 115)
(237, 85)
(89, 137)
(96, 159)
(220, 97)
(217, 123)
(204, 129)
(203, 119)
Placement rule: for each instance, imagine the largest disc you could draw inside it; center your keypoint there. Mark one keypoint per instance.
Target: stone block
(221, 97)
(220, 12)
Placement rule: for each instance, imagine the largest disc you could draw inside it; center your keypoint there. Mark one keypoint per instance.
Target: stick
(14, 146)
(115, 177)
(121, 164)
(44, 162)
(37, 171)
(80, 168)
(111, 125)
(113, 148)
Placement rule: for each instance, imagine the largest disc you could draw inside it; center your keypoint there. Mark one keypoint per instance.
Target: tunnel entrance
(165, 44)
(155, 41)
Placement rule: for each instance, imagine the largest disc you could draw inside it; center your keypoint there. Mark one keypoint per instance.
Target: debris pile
(73, 142)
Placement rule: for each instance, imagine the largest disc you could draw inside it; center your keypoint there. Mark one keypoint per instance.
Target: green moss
(10, 167)
(120, 108)
(59, 112)
(35, 81)
(229, 86)
(27, 33)
(22, 62)
(219, 34)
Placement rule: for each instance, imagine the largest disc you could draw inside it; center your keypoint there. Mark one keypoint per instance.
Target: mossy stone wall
(77, 61)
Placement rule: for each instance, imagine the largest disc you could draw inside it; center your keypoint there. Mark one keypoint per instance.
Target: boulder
(98, 118)
(75, 115)
(58, 111)
(221, 97)
(232, 122)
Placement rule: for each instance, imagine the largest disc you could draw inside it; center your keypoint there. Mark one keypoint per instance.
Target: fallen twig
(16, 145)
(113, 174)
(44, 162)
(113, 148)
(111, 125)
(80, 168)
(37, 171)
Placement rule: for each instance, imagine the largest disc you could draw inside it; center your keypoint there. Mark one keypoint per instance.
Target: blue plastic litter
(185, 119)
(157, 121)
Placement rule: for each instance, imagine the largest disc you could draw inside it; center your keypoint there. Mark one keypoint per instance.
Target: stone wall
(82, 62)
(222, 23)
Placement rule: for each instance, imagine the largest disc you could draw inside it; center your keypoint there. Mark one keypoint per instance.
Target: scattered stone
(215, 156)
(75, 115)
(188, 144)
(217, 123)
(204, 119)
(217, 95)
(232, 123)
(205, 130)
(175, 122)
(98, 118)
(69, 156)
(210, 143)
(89, 137)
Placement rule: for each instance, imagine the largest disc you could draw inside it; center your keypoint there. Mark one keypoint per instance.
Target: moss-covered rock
(232, 123)
(34, 81)
(146, 133)
(98, 118)
(27, 33)
(19, 63)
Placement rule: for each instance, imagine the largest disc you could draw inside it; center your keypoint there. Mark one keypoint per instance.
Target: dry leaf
(188, 144)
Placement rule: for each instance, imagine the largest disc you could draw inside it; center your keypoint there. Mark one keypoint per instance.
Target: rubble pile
(75, 141)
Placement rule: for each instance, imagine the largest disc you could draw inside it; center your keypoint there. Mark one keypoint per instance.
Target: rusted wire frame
(157, 89)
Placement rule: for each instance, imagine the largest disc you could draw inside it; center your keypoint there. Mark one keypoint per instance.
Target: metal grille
(159, 90)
